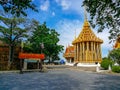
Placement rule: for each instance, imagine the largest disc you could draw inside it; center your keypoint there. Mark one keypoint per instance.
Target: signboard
(31, 56)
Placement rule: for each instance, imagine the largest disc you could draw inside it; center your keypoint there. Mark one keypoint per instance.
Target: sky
(66, 17)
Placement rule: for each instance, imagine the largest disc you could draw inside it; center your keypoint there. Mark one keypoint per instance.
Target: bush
(105, 63)
(116, 69)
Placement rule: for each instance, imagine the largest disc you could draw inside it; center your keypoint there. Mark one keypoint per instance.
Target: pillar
(78, 52)
(97, 52)
(75, 57)
(100, 52)
(25, 64)
(99, 57)
(70, 60)
(83, 53)
(92, 51)
(87, 52)
(38, 64)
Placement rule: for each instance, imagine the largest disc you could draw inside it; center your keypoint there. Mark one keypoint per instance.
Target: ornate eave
(117, 43)
(69, 52)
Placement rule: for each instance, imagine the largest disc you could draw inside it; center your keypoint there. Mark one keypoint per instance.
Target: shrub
(105, 63)
(116, 69)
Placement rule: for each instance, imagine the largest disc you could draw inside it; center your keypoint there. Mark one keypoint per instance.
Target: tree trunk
(11, 54)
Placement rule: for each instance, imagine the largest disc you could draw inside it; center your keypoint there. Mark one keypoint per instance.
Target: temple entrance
(30, 61)
(31, 64)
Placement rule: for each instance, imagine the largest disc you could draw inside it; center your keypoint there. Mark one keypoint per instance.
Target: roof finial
(85, 13)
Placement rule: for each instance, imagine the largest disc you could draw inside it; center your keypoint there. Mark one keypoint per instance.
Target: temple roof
(69, 52)
(117, 43)
(87, 35)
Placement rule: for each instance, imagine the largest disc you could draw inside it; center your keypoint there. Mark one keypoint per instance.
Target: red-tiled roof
(69, 52)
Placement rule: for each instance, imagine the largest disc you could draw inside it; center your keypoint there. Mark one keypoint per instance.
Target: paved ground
(59, 79)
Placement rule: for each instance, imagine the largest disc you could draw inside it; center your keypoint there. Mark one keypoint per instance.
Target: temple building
(69, 54)
(87, 46)
(117, 43)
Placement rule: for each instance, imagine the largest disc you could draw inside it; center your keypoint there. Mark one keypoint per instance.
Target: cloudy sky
(66, 17)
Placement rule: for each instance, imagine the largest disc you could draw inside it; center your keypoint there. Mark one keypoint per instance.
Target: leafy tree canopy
(12, 30)
(45, 40)
(105, 14)
(17, 7)
(115, 55)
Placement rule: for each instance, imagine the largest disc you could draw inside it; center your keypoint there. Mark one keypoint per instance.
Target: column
(83, 51)
(87, 52)
(77, 52)
(38, 64)
(100, 56)
(70, 60)
(25, 65)
(96, 51)
(92, 51)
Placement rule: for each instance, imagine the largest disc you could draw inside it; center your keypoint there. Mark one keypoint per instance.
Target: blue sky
(66, 17)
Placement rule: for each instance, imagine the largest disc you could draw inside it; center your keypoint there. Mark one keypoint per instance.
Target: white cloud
(106, 46)
(53, 13)
(73, 5)
(67, 28)
(45, 6)
(104, 36)
(64, 3)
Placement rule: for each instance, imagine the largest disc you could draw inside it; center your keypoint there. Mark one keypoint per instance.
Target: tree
(105, 63)
(45, 40)
(17, 7)
(115, 55)
(12, 30)
(105, 14)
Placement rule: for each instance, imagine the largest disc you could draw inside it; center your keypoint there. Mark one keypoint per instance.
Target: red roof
(69, 52)
(31, 56)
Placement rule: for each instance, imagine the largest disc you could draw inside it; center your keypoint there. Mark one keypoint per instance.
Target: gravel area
(60, 79)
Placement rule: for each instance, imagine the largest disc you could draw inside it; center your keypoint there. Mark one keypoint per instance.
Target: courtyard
(59, 79)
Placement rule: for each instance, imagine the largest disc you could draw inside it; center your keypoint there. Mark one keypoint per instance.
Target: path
(61, 79)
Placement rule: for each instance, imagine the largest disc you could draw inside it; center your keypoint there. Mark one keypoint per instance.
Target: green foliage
(17, 7)
(12, 30)
(116, 69)
(105, 14)
(105, 63)
(45, 40)
(115, 55)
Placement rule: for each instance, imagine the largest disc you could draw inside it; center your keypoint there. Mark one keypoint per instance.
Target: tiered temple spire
(87, 45)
